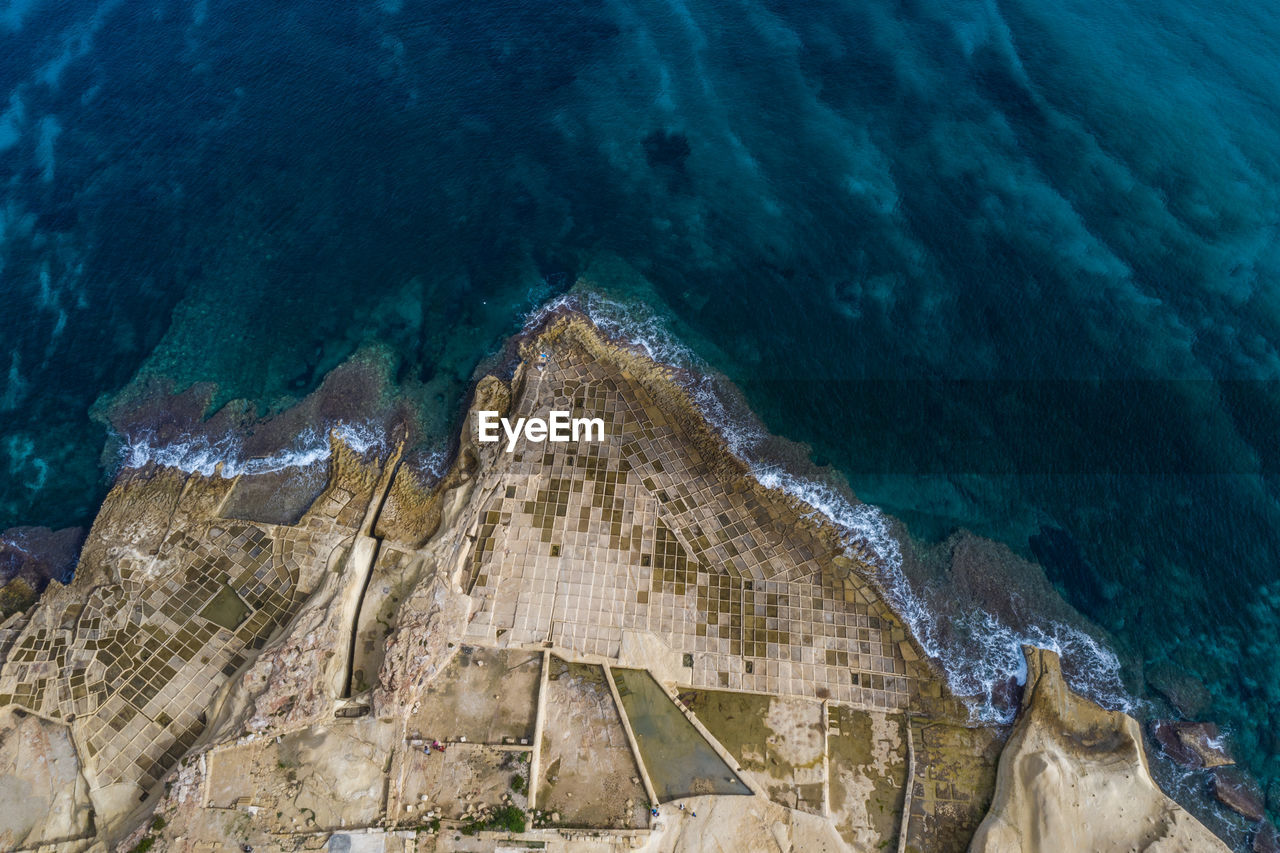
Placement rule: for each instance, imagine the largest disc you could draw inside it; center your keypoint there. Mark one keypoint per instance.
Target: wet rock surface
(29, 558)
(1266, 839)
(1191, 744)
(1239, 792)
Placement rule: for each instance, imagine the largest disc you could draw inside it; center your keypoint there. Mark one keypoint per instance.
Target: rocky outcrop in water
(1238, 792)
(1191, 744)
(29, 558)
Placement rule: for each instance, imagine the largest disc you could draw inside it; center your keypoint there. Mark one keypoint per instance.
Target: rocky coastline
(287, 686)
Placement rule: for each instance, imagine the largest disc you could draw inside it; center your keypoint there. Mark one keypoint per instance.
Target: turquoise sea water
(1008, 267)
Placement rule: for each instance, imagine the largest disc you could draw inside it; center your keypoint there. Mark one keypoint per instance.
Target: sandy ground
(484, 695)
(589, 775)
(322, 777)
(464, 775)
(737, 825)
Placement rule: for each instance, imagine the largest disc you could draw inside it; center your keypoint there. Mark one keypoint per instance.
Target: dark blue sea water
(1006, 266)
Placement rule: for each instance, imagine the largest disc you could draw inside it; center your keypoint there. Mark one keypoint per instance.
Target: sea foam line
(224, 456)
(991, 653)
(635, 325)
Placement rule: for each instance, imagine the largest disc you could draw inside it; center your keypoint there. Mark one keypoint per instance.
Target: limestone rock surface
(1074, 776)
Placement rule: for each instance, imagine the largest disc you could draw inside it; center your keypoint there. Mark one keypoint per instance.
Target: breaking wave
(978, 652)
(433, 465)
(224, 455)
(632, 324)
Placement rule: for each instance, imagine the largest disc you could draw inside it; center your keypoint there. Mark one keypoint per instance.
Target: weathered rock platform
(405, 666)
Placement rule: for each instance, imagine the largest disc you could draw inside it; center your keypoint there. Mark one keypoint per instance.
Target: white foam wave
(224, 456)
(985, 652)
(434, 465)
(631, 324)
(740, 434)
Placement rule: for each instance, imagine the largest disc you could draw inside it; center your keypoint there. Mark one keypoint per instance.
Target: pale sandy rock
(42, 794)
(286, 686)
(1074, 776)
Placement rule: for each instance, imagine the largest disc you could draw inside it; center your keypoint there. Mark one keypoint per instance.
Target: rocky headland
(1074, 776)
(624, 644)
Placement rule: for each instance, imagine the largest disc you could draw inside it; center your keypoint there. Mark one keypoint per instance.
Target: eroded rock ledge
(1074, 776)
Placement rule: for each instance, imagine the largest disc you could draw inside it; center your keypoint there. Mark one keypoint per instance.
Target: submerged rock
(1266, 840)
(39, 551)
(1006, 695)
(1239, 792)
(1184, 692)
(30, 557)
